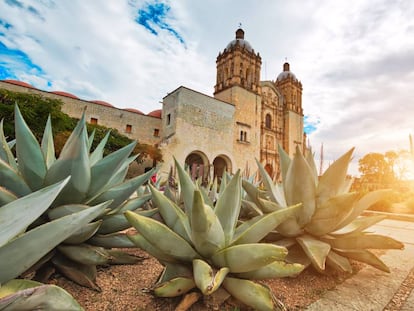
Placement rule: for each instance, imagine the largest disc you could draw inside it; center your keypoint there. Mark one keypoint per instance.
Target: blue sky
(355, 58)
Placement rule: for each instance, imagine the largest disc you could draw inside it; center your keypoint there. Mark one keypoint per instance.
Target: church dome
(240, 41)
(286, 73)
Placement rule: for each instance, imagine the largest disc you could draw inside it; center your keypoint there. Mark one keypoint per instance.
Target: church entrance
(197, 164)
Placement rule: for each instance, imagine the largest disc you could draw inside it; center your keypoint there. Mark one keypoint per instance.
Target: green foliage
(94, 180)
(377, 169)
(35, 110)
(327, 229)
(204, 246)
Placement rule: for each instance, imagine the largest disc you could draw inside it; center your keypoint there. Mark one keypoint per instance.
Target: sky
(355, 58)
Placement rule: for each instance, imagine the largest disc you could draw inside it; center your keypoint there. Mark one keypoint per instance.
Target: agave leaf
(97, 154)
(206, 230)
(253, 192)
(205, 278)
(300, 187)
(274, 192)
(228, 206)
(105, 168)
(85, 254)
(223, 182)
(362, 204)
(276, 269)
(74, 162)
(187, 188)
(151, 249)
(17, 215)
(359, 225)
(6, 197)
(84, 233)
(327, 216)
(121, 192)
(252, 294)
(338, 262)
(5, 149)
(174, 287)
(311, 162)
(251, 208)
(364, 241)
(173, 270)
(113, 223)
(47, 144)
(173, 216)
(121, 173)
(365, 256)
(297, 255)
(269, 206)
(65, 210)
(113, 240)
(290, 228)
(84, 275)
(118, 257)
(262, 225)
(90, 139)
(12, 180)
(331, 183)
(31, 295)
(16, 285)
(135, 203)
(247, 257)
(163, 237)
(32, 165)
(22, 252)
(315, 249)
(206, 197)
(285, 161)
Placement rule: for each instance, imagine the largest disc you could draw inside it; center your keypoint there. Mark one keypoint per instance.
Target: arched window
(268, 121)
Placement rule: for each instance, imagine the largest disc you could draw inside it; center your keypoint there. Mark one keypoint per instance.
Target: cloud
(354, 58)
(153, 15)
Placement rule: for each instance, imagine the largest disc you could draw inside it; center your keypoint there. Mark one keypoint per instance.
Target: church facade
(246, 118)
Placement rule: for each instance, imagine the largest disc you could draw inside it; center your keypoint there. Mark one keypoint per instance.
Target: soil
(128, 287)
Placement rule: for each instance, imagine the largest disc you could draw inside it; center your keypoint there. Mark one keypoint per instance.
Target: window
(156, 132)
(128, 128)
(243, 136)
(268, 121)
(94, 121)
(169, 119)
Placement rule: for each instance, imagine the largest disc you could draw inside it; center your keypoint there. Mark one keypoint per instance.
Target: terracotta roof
(16, 82)
(155, 113)
(134, 110)
(101, 102)
(65, 94)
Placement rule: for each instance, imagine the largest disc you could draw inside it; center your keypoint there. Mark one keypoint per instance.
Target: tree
(377, 170)
(35, 110)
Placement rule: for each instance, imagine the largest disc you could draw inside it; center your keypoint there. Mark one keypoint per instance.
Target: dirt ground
(128, 287)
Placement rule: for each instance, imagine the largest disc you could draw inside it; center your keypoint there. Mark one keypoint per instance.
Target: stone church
(245, 120)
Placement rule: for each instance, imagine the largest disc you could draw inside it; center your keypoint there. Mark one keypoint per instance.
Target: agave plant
(205, 247)
(95, 180)
(328, 228)
(21, 248)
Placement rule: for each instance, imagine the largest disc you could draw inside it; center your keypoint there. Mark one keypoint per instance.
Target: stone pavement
(374, 290)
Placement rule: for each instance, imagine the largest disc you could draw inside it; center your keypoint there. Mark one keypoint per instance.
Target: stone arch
(221, 163)
(268, 121)
(198, 165)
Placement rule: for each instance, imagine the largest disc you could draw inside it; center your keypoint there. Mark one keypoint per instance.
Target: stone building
(245, 120)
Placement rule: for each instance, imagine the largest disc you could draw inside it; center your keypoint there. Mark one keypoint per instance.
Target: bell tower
(291, 89)
(238, 83)
(238, 65)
